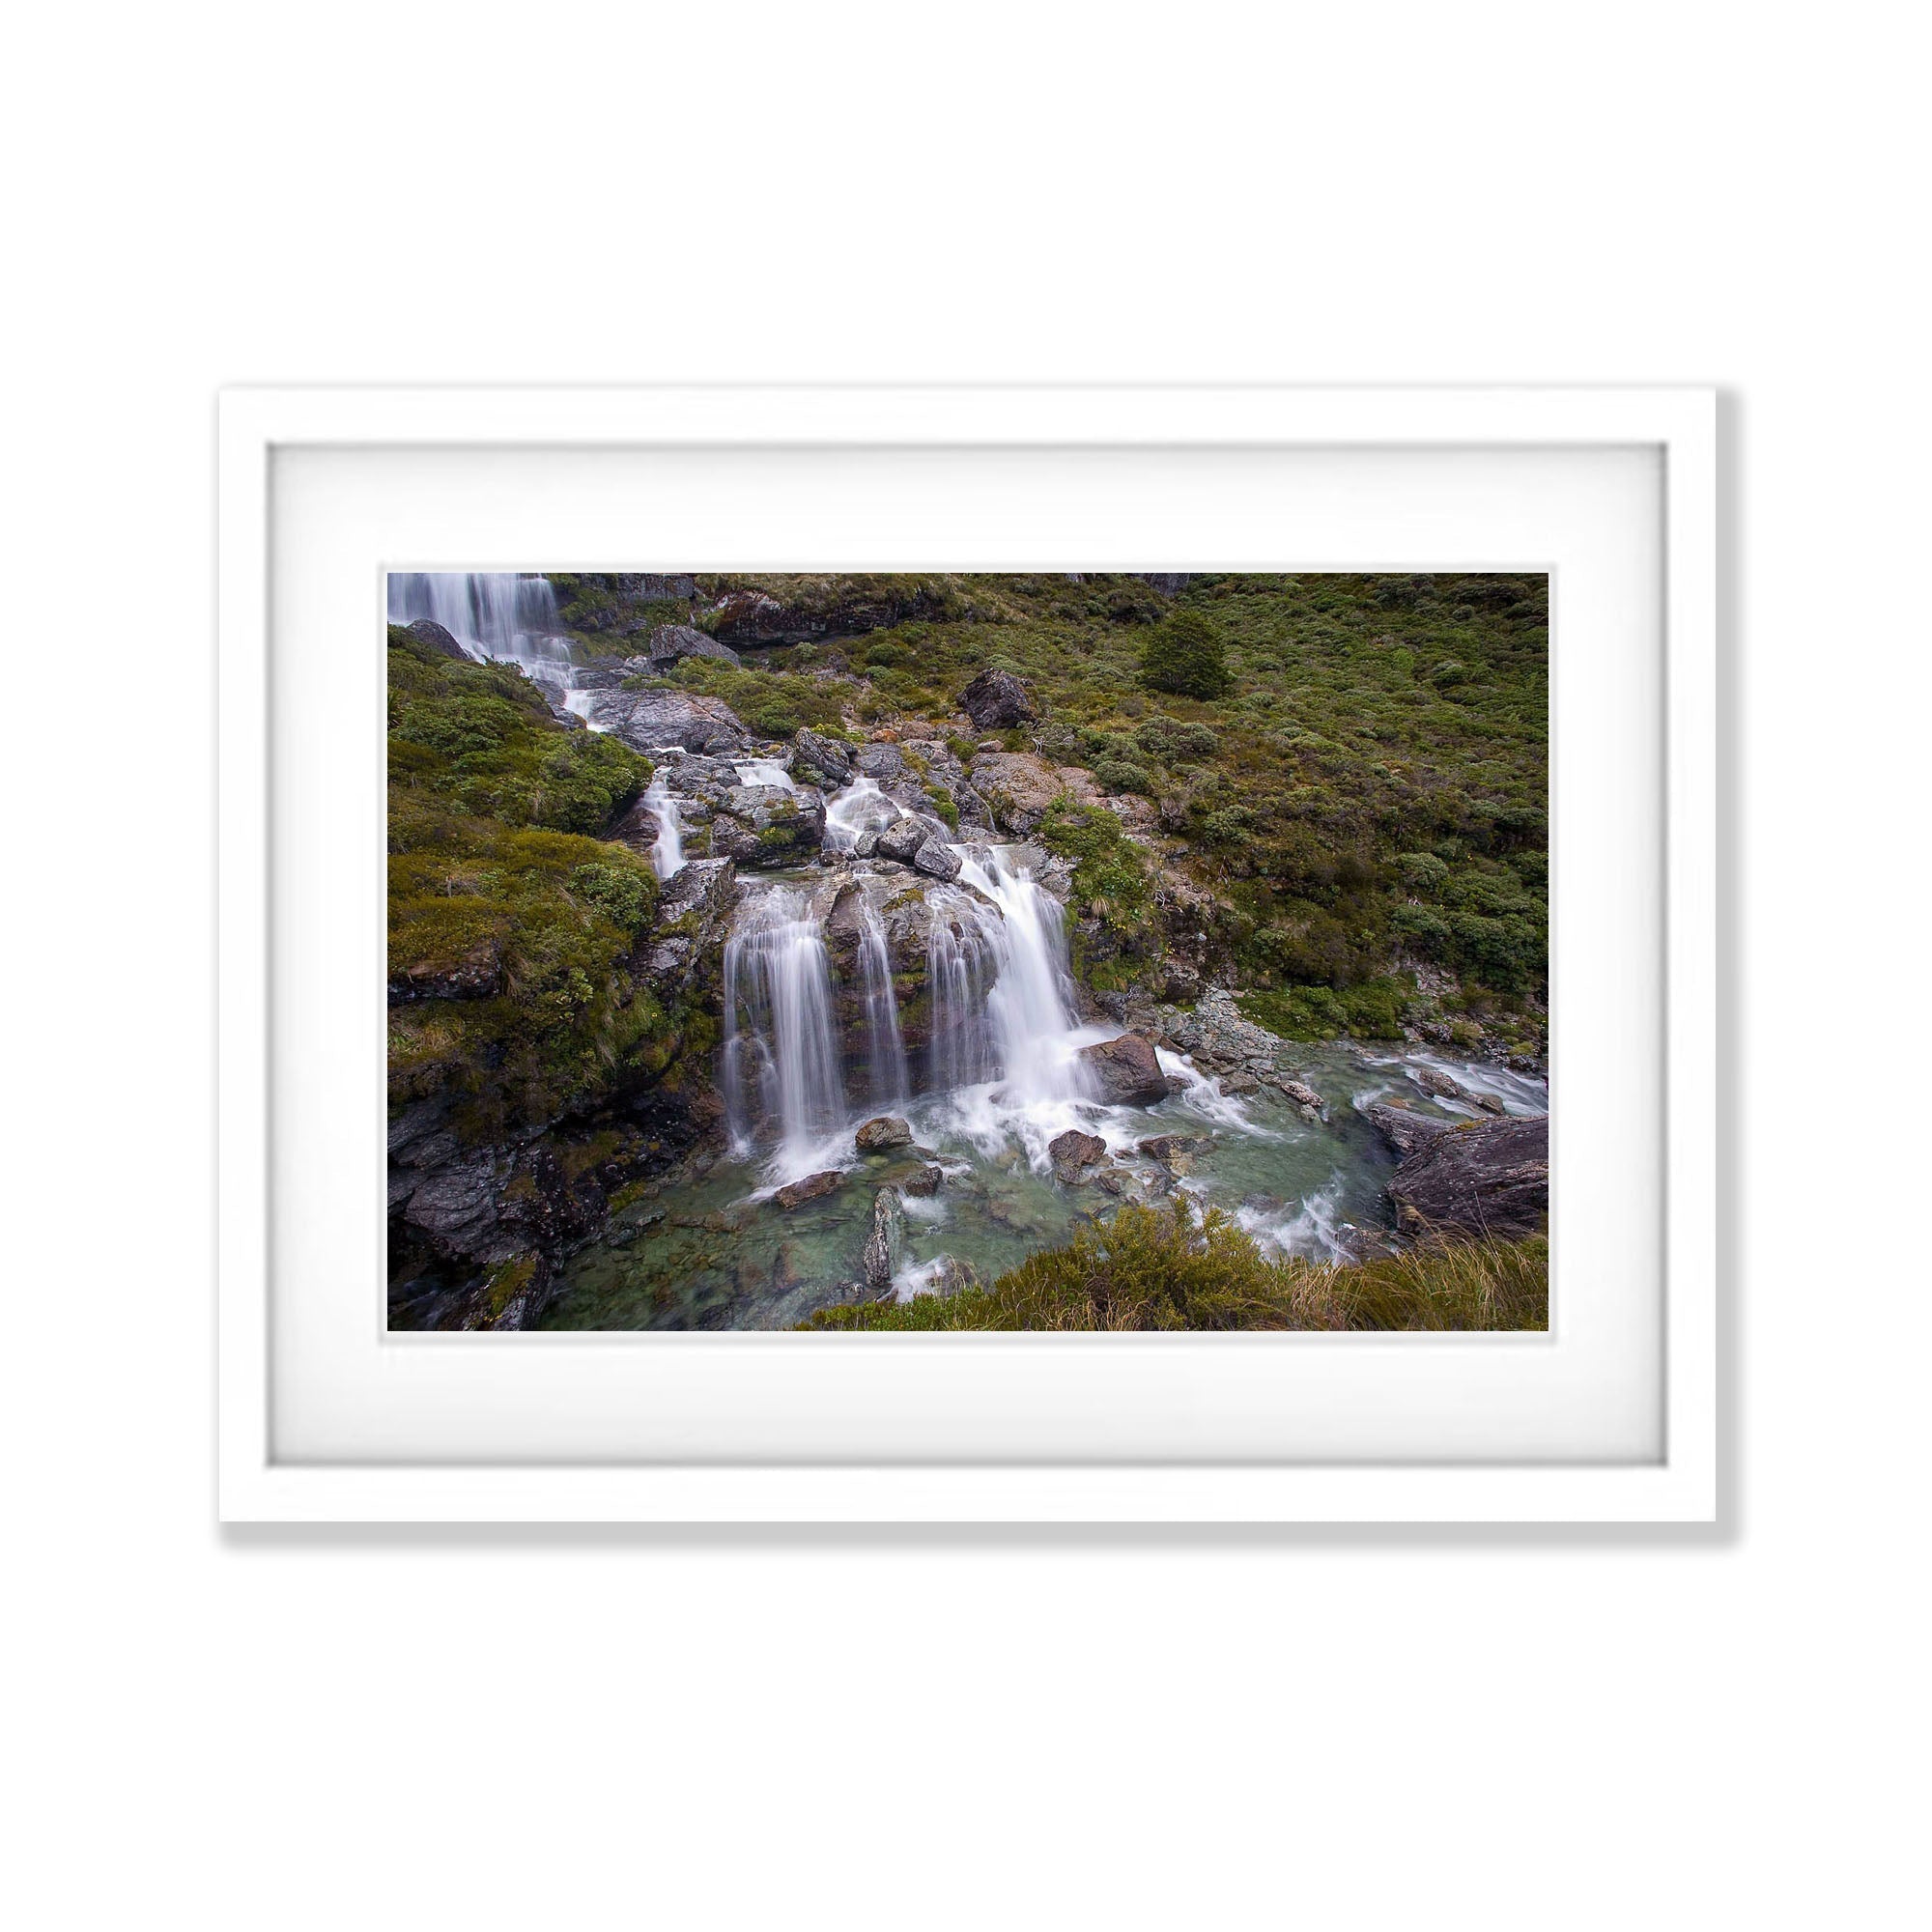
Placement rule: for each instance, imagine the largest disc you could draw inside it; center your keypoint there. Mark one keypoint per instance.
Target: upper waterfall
(492, 613)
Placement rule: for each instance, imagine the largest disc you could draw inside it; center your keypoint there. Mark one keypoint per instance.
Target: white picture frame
(1674, 429)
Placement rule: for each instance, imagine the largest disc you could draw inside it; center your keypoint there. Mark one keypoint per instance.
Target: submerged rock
(888, 1130)
(796, 1193)
(1174, 1151)
(1405, 1131)
(1125, 1071)
(925, 1182)
(1072, 1153)
(885, 1247)
(996, 700)
(1444, 1087)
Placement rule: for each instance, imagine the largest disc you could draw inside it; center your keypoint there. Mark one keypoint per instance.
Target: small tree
(1184, 656)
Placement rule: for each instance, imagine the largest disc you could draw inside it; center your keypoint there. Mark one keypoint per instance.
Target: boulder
(824, 760)
(672, 641)
(1072, 1153)
(885, 1247)
(996, 700)
(795, 1193)
(1174, 1151)
(901, 839)
(1405, 1131)
(1124, 1071)
(1301, 1094)
(888, 1130)
(647, 720)
(766, 826)
(426, 630)
(925, 1182)
(885, 763)
(937, 859)
(694, 915)
(1017, 788)
(1489, 1180)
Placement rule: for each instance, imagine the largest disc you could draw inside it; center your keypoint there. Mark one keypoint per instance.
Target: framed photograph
(1134, 954)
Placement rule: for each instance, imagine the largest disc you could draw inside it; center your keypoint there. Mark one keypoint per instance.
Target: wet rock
(426, 630)
(1405, 1131)
(1072, 1153)
(455, 1206)
(1117, 1181)
(937, 859)
(1302, 1096)
(888, 1130)
(925, 1182)
(1124, 1071)
(767, 828)
(697, 899)
(813, 1187)
(824, 759)
(885, 1247)
(1241, 1084)
(1174, 1151)
(866, 844)
(1487, 1179)
(996, 700)
(901, 839)
(949, 1277)
(1263, 1204)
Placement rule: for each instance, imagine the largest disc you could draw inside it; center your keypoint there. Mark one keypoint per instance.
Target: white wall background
(590, 1729)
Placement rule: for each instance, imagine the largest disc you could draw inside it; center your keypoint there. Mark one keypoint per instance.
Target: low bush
(1187, 658)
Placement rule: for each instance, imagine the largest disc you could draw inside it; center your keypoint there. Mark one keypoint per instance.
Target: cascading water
(861, 807)
(492, 613)
(668, 848)
(885, 1044)
(963, 953)
(1031, 998)
(764, 772)
(780, 1050)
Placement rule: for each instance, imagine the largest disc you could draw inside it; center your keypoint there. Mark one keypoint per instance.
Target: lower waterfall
(781, 1050)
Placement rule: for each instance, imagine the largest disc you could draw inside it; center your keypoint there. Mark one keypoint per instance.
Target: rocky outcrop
(813, 1187)
(477, 976)
(672, 641)
(1125, 1071)
(1444, 1087)
(833, 607)
(695, 907)
(885, 1245)
(1017, 788)
(1489, 1179)
(996, 700)
(885, 1131)
(1169, 582)
(426, 630)
(647, 720)
(1072, 1153)
(766, 827)
(817, 760)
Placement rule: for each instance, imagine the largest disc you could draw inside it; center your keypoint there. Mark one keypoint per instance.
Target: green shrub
(1174, 741)
(1185, 657)
(1116, 775)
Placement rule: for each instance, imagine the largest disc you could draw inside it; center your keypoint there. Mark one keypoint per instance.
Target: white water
(780, 1050)
(492, 613)
(764, 772)
(668, 848)
(885, 1044)
(862, 806)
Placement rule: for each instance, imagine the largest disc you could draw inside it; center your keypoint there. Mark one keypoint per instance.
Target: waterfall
(884, 1046)
(764, 772)
(492, 613)
(964, 952)
(862, 806)
(781, 1052)
(668, 848)
(1030, 999)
